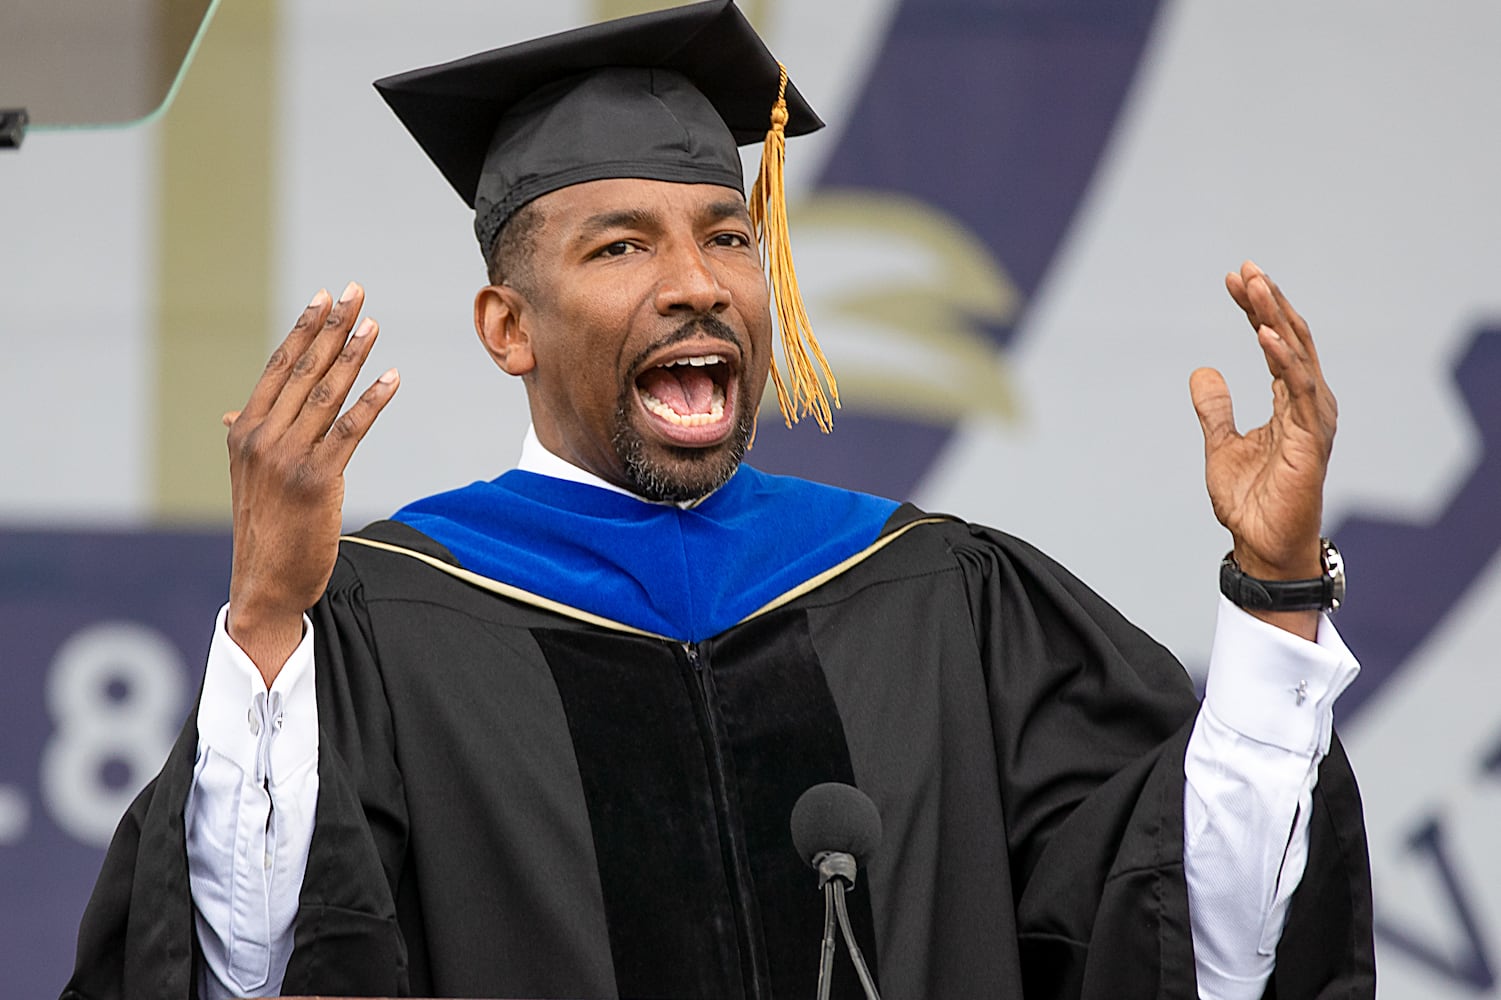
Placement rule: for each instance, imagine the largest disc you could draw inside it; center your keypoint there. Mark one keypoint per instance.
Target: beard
(669, 474)
(680, 474)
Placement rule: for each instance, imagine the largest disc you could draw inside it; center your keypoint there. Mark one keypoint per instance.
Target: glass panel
(87, 63)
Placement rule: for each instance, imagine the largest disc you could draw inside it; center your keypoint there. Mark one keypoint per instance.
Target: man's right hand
(288, 449)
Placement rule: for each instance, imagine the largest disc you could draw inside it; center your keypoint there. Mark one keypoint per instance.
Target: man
(541, 736)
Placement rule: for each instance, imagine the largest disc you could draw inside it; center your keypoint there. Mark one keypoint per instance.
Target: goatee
(680, 474)
(690, 473)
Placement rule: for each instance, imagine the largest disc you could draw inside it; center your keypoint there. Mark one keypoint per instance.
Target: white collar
(535, 458)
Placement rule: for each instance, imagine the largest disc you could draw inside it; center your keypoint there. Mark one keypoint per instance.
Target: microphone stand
(836, 871)
(826, 960)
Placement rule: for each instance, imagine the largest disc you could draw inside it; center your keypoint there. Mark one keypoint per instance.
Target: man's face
(647, 330)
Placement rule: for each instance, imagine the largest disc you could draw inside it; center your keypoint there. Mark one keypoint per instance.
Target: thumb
(1211, 399)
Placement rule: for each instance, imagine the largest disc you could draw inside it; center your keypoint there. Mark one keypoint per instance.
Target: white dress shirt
(249, 814)
(1250, 770)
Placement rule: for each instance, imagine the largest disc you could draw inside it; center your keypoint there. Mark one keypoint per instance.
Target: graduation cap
(667, 95)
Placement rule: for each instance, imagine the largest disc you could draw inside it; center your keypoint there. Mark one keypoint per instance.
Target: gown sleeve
(1091, 721)
(346, 935)
(136, 938)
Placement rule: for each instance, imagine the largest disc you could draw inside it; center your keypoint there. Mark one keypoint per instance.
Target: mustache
(702, 324)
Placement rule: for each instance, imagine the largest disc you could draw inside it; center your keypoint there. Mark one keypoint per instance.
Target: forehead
(619, 199)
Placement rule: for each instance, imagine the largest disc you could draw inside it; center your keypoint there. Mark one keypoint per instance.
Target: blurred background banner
(1011, 238)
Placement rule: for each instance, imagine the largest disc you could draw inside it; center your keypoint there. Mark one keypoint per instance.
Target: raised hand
(1267, 485)
(288, 449)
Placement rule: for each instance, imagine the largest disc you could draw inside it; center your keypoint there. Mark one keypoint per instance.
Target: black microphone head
(835, 817)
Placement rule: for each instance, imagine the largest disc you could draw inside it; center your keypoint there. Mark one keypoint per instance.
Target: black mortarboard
(666, 95)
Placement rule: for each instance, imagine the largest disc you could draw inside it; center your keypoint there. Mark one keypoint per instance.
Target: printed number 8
(113, 692)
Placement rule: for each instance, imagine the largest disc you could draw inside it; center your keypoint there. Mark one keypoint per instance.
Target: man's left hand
(1267, 485)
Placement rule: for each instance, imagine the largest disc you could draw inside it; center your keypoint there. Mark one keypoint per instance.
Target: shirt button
(255, 722)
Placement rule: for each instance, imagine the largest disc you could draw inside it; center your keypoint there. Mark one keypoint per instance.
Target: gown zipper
(754, 972)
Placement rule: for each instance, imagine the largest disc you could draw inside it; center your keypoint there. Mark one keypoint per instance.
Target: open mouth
(690, 398)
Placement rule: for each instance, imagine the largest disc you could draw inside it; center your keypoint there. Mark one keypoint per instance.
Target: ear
(499, 312)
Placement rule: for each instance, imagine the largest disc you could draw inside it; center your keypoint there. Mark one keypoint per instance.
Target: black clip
(13, 122)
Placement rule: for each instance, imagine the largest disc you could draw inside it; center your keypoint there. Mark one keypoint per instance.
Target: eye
(731, 239)
(617, 249)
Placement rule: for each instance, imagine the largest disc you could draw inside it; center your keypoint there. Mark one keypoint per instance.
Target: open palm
(1267, 484)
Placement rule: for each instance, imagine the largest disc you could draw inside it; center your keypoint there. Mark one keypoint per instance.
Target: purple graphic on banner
(1411, 575)
(996, 112)
(102, 637)
(1468, 965)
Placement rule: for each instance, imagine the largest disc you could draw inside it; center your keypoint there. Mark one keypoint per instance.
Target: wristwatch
(1322, 593)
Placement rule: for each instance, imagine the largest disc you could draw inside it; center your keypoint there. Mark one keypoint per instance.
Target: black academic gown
(514, 802)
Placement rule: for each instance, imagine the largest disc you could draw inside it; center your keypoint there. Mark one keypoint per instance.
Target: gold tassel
(800, 393)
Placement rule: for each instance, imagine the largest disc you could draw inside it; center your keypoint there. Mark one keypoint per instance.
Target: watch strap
(1321, 593)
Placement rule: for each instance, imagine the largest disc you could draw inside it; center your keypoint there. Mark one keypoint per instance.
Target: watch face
(1334, 570)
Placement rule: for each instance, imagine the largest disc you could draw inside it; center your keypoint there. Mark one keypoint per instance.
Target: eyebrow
(729, 208)
(643, 218)
(625, 218)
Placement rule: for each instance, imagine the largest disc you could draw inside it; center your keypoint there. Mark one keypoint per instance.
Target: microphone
(834, 828)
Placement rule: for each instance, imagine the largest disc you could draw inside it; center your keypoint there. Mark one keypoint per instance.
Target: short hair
(510, 259)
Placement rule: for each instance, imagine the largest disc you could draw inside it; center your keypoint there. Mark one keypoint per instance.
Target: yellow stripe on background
(214, 256)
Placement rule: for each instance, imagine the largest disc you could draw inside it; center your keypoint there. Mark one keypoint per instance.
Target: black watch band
(1322, 593)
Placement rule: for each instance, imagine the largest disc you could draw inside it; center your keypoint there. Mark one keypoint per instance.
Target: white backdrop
(1350, 148)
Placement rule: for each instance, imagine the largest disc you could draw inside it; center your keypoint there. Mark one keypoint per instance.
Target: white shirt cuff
(1275, 687)
(234, 707)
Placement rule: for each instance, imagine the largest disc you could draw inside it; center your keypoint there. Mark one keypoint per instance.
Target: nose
(689, 283)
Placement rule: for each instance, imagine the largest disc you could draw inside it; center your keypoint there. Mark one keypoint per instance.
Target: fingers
(1268, 309)
(1235, 284)
(1265, 304)
(1298, 389)
(1299, 392)
(327, 395)
(1211, 400)
(1251, 289)
(1284, 339)
(279, 366)
(298, 397)
(349, 430)
(1286, 345)
(309, 369)
(1296, 324)
(1250, 270)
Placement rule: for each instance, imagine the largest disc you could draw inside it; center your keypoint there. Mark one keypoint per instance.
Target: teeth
(698, 362)
(667, 413)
